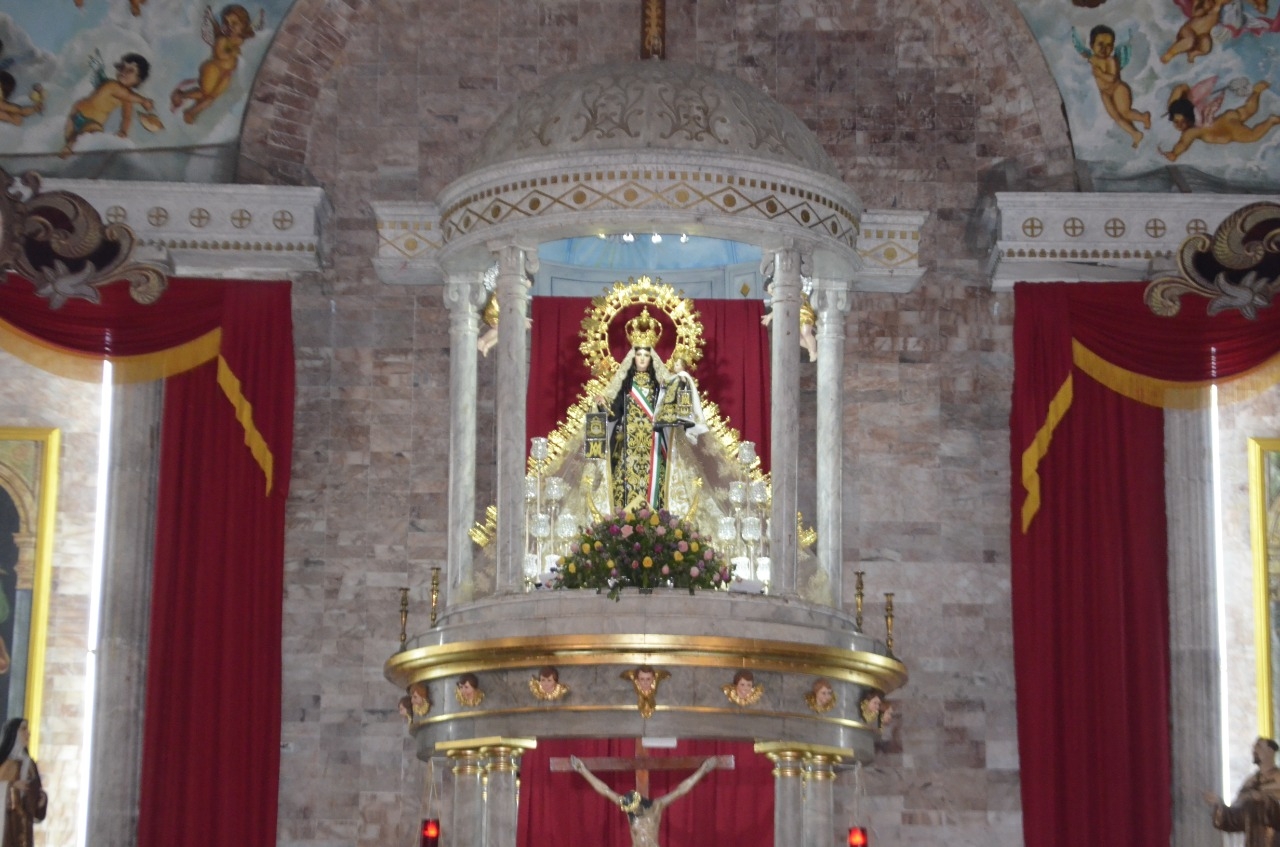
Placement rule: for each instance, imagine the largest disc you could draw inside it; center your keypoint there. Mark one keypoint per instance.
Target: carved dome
(654, 106)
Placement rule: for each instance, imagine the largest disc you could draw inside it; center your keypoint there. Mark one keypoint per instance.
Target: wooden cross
(642, 764)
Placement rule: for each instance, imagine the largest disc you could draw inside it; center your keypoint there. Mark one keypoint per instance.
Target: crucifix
(644, 815)
(653, 29)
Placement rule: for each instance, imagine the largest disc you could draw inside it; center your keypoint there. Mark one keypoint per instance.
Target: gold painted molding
(488, 742)
(630, 708)
(438, 661)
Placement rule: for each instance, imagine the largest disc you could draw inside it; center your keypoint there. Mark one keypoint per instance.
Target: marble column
(466, 822)
(784, 414)
(115, 767)
(819, 800)
(1194, 681)
(513, 385)
(463, 295)
(788, 790)
(501, 793)
(831, 301)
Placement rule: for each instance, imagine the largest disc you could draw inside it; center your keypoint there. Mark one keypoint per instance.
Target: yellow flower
(599, 546)
(648, 562)
(653, 519)
(678, 556)
(631, 518)
(586, 548)
(693, 546)
(679, 533)
(573, 568)
(609, 564)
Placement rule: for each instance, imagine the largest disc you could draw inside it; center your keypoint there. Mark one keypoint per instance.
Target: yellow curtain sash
(253, 439)
(1162, 393)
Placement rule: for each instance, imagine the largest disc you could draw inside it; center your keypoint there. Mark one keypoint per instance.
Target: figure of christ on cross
(644, 816)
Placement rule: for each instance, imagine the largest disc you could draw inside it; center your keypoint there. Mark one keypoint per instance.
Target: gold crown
(643, 331)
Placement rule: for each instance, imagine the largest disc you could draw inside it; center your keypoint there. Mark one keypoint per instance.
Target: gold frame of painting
(29, 475)
(1264, 511)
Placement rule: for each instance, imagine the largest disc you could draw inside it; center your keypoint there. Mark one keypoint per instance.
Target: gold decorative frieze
(692, 191)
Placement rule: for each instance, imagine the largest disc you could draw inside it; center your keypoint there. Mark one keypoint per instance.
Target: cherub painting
(1106, 60)
(1195, 37)
(90, 114)
(226, 35)
(15, 113)
(1193, 110)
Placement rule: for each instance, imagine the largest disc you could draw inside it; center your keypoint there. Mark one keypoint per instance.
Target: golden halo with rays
(634, 292)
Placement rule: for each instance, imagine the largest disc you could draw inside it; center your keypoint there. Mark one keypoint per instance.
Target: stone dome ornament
(650, 147)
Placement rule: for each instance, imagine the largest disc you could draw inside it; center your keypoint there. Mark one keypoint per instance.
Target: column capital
(515, 256)
(464, 292)
(830, 295)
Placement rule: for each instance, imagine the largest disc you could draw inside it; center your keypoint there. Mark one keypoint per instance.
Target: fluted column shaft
(466, 827)
(125, 616)
(1193, 644)
(785, 418)
(819, 801)
(788, 795)
(463, 295)
(513, 384)
(831, 301)
(500, 813)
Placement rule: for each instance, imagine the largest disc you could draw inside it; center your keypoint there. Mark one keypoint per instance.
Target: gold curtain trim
(1171, 394)
(1039, 448)
(1161, 393)
(147, 367)
(253, 439)
(87, 367)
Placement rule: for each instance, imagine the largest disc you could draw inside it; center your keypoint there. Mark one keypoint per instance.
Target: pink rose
(665, 570)
(643, 514)
(693, 572)
(707, 555)
(675, 522)
(627, 530)
(683, 546)
(662, 530)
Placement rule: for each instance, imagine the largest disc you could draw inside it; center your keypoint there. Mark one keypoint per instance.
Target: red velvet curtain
(733, 372)
(212, 724)
(726, 807)
(1089, 562)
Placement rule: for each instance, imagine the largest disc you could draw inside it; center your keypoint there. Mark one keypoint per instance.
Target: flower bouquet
(644, 549)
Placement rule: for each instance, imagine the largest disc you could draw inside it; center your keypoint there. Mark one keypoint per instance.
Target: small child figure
(1195, 37)
(226, 39)
(1226, 128)
(91, 113)
(11, 112)
(1106, 59)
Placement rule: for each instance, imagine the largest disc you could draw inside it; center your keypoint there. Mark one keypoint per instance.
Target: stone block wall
(919, 104)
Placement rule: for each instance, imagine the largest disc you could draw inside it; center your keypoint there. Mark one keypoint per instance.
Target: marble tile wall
(31, 398)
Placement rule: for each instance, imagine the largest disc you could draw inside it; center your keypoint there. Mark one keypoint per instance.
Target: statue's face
(548, 683)
(644, 681)
(744, 687)
(643, 358)
(824, 696)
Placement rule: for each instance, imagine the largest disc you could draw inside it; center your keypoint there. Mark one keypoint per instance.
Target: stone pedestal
(463, 295)
(788, 792)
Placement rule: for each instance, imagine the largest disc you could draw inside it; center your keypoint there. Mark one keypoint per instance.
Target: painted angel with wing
(1106, 59)
(1195, 37)
(226, 34)
(1193, 110)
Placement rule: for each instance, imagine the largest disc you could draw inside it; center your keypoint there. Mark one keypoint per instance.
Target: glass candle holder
(566, 526)
(746, 452)
(763, 568)
(531, 565)
(538, 449)
(555, 489)
(540, 527)
(727, 529)
(751, 529)
(737, 493)
(759, 491)
(531, 487)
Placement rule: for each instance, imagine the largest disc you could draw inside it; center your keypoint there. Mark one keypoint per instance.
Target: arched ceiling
(49, 49)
